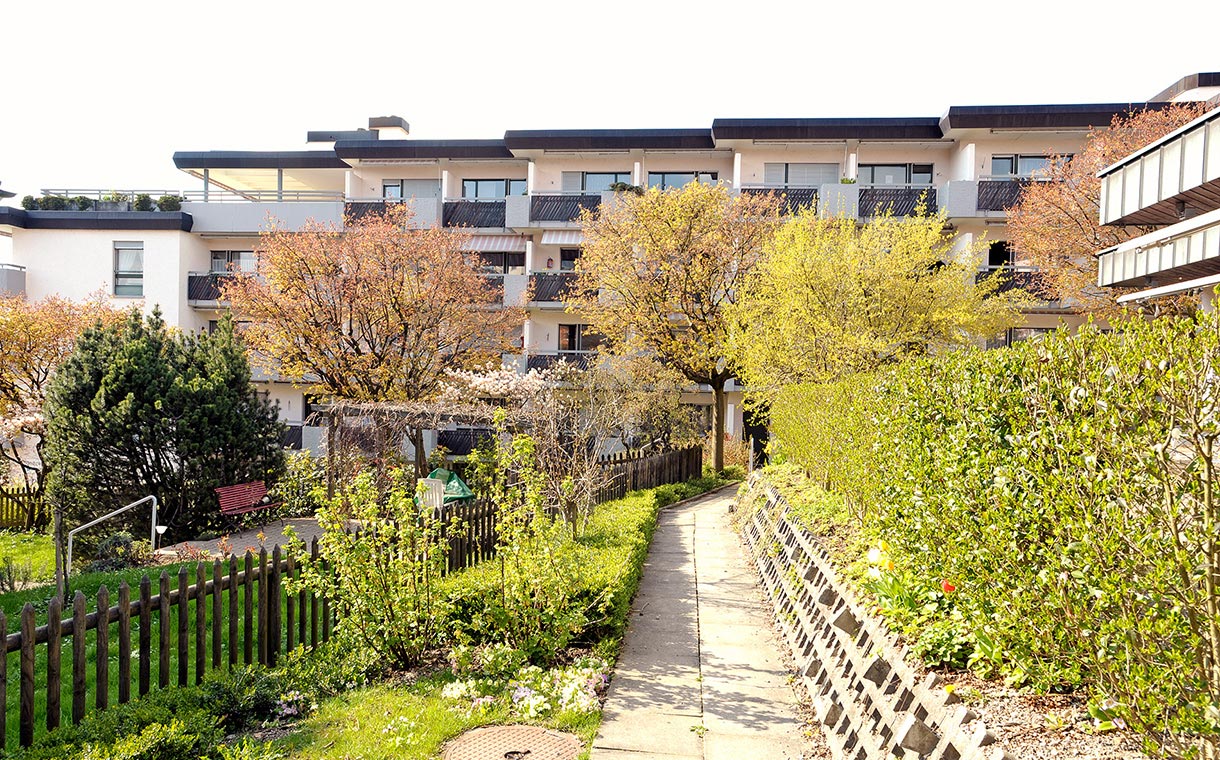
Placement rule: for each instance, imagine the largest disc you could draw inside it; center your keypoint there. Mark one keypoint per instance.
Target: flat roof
(1061, 116)
(609, 139)
(95, 220)
(258, 159)
(897, 128)
(389, 149)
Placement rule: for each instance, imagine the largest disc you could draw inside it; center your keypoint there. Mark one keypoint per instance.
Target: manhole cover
(513, 743)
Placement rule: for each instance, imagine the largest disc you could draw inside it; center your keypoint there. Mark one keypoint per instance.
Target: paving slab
(701, 674)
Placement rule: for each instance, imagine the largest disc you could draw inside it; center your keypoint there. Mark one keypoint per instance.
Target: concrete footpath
(701, 674)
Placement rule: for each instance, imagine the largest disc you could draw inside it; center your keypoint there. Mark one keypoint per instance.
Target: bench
(244, 497)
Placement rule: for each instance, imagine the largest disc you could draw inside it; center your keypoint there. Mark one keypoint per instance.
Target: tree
(1055, 224)
(140, 409)
(658, 271)
(35, 337)
(832, 298)
(374, 311)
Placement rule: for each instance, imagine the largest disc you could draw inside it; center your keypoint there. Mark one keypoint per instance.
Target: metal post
(279, 184)
(206, 182)
(72, 533)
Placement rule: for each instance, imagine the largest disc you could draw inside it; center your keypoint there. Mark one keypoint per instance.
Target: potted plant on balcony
(114, 201)
(627, 187)
(170, 203)
(143, 202)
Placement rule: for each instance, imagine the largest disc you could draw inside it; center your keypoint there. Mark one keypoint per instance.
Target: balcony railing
(577, 359)
(559, 207)
(793, 198)
(474, 212)
(1029, 279)
(125, 198)
(552, 287)
(204, 286)
(901, 200)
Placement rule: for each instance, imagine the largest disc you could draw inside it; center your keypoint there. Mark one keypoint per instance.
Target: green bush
(170, 203)
(83, 203)
(29, 203)
(52, 203)
(1060, 495)
(301, 491)
(160, 741)
(143, 202)
(119, 551)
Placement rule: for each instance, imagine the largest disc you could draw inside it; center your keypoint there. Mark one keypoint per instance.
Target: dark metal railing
(793, 199)
(552, 287)
(562, 208)
(204, 286)
(901, 201)
(474, 213)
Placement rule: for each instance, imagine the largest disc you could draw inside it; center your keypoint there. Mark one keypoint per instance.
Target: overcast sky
(100, 94)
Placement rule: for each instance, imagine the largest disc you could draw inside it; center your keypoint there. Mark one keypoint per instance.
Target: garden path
(701, 673)
(273, 533)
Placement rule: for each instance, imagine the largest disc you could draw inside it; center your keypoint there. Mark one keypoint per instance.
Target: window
(567, 259)
(1020, 166)
(598, 182)
(666, 180)
(503, 263)
(233, 261)
(895, 174)
(492, 188)
(578, 338)
(392, 191)
(999, 254)
(800, 175)
(129, 270)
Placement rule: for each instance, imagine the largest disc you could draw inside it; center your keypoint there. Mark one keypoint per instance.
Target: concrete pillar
(444, 184)
(736, 170)
(1207, 300)
(529, 178)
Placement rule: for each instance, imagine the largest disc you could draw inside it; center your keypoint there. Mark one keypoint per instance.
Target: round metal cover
(513, 743)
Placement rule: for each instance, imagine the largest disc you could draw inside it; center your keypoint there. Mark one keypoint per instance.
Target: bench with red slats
(244, 497)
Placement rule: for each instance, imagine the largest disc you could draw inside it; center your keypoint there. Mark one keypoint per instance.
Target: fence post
(273, 609)
(101, 685)
(201, 622)
(184, 642)
(326, 606)
(3, 681)
(54, 669)
(233, 616)
(145, 634)
(218, 582)
(313, 596)
(78, 658)
(163, 633)
(262, 606)
(247, 642)
(26, 727)
(290, 605)
(124, 642)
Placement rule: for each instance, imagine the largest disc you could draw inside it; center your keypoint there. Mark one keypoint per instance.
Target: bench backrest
(241, 496)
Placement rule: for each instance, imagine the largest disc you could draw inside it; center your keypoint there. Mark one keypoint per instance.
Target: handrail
(72, 533)
(12, 267)
(200, 196)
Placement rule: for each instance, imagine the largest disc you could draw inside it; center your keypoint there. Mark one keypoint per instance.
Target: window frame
(584, 180)
(135, 277)
(233, 257)
(569, 255)
(507, 189)
(695, 177)
(505, 265)
(581, 334)
(909, 171)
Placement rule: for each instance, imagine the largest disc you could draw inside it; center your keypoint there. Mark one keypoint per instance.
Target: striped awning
(563, 237)
(495, 243)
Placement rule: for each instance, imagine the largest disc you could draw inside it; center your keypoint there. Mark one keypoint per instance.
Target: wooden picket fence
(13, 505)
(632, 472)
(256, 631)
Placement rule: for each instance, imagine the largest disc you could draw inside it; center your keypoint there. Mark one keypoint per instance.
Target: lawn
(32, 555)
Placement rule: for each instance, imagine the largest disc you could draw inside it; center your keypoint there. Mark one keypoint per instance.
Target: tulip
(947, 587)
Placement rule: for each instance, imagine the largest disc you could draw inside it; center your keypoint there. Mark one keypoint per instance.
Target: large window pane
(129, 269)
(921, 174)
(597, 182)
(391, 190)
(492, 262)
(516, 187)
(1003, 166)
(514, 263)
(1030, 166)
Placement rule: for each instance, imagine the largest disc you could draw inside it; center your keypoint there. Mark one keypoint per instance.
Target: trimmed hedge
(1049, 511)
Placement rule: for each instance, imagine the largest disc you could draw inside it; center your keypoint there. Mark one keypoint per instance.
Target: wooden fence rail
(631, 473)
(270, 622)
(15, 503)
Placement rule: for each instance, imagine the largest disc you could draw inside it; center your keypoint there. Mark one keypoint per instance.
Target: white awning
(562, 237)
(1170, 290)
(495, 243)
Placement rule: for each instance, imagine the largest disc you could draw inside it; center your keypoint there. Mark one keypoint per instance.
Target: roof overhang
(421, 149)
(1184, 251)
(1059, 117)
(609, 139)
(1171, 290)
(888, 129)
(95, 220)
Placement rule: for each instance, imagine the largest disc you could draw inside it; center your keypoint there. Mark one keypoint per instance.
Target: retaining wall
(870, 702)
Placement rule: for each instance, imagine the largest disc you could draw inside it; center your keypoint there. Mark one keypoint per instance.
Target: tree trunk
(421, 458)
(719, 404)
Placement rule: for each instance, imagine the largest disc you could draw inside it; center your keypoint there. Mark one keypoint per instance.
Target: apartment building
(1173, 185)
(519, 196)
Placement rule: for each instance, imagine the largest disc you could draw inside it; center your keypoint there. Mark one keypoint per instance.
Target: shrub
(83, 203)
(30, 203)
(52, 203)
(1064, 491)
(160, 741)
(119, 551)
(302, 489)
(143, 202)
(170, 203)
(385, 575)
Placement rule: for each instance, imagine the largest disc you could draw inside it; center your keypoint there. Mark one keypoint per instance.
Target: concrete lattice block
(915, 735)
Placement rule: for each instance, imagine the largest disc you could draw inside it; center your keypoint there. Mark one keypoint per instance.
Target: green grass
(35, 549)
(361, 724)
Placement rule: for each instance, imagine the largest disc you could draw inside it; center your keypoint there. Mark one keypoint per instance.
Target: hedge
(1056, 502)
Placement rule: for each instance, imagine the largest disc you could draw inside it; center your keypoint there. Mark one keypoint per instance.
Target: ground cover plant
(1046, 513)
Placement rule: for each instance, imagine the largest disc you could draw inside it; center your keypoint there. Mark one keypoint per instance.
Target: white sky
(99, 94)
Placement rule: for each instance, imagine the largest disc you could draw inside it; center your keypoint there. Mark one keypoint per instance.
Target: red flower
(947, 587)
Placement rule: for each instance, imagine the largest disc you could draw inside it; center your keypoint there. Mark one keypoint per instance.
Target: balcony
(900, 200)
(793, 199)
(475, 213)
(553, 210)
(203, 289)
(1179, 253)
(12, 280)
(1029, 279)
(425, 212)
(576, 359)
(1171, 179)
(552, 288)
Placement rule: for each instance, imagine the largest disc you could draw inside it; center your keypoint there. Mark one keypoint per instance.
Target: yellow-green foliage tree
(832, 298)
(659, 270)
